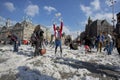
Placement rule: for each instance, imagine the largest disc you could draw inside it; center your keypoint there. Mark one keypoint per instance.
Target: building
(23, 30)
(93, 28)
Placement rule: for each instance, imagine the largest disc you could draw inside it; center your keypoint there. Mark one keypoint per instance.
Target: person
(15, 41)
(33, 39)
(38, 40)
(117, 33)
(100, 40)
(58, 35)
(73, 45)
(68, 40)
(109, 44)
(87, 44)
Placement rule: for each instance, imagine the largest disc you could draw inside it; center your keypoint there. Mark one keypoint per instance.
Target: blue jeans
(109, 48)
(15, 47)
(58, 43)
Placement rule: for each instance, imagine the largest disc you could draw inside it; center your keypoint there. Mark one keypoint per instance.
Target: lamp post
(112, 5)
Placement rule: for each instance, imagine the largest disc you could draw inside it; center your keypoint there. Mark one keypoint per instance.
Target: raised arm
(61, 26)
(54, 26)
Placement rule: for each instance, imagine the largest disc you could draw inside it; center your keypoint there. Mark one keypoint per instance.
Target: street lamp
(112, 5)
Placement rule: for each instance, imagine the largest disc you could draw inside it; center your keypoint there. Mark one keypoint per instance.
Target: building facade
(23, 30)
(94, 28)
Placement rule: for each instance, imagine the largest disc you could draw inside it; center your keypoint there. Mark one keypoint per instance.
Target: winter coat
(37, 38)
(39, 34)
(100, 38)
(33, 38)
(109, 38)
(87, 41)
(56, 32)
(13, 38)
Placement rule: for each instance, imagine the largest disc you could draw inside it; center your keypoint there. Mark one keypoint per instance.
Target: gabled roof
(105, 22)
(101, 22)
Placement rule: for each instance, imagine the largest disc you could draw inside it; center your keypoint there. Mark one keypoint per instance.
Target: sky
(74, 13)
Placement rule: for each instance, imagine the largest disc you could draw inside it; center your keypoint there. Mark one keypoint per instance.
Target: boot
(61, 53)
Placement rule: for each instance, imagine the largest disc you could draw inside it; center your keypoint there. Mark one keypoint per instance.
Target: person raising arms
(58, 36)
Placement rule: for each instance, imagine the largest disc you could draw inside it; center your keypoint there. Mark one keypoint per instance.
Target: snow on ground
(74, 65)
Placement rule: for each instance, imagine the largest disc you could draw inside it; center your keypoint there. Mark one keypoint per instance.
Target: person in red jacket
(58, 35)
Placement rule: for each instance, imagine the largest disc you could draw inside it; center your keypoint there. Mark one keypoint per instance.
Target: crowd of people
(102, 40)
(108, 41)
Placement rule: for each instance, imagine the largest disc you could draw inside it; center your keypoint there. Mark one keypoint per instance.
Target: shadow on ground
(25, 73)
(97, 69)
(26, 53)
